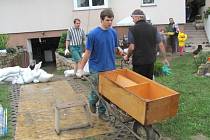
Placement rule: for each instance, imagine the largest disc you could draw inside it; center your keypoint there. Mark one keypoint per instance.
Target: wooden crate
(145, 100)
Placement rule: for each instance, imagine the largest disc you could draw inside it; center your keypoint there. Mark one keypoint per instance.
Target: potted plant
(3, 41)
(207, 13)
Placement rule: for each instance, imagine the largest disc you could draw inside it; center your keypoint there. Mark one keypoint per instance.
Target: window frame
(90, 5)
(150, 4)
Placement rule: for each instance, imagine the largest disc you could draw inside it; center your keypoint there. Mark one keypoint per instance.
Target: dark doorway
(192, 9)
(43, 49)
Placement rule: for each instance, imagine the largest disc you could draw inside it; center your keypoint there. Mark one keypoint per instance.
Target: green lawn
(4, 93)
(193, 117)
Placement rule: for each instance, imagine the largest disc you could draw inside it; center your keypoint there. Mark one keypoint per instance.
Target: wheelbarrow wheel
(145, 132)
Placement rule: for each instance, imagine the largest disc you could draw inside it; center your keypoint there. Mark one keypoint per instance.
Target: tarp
(128, 21)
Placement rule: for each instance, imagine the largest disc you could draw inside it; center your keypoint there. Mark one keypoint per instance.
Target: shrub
(62, 45)
(207, 12)
(158, 68)
(201, 58)
(3, 41)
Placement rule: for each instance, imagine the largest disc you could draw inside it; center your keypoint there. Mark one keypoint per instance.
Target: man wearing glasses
(142, 39)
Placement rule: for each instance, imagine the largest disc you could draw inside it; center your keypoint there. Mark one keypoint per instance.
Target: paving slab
(35, 119)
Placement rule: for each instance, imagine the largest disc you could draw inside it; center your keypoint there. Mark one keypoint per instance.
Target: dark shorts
(146, 70)
(76, 53)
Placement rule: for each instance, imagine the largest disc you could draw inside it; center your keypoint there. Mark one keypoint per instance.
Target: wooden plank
(124, 82)
(161, 109)
(129, 103)
(145, 100)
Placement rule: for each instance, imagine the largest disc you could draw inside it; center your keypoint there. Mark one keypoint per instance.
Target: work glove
(120, 51)
(125, 57)
(80, 73)
(66, 51)
(166, 70)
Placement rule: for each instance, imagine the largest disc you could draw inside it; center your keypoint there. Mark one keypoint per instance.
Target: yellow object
(170, 33)
(182, 37)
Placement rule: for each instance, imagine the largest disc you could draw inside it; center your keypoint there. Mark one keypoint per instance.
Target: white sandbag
(36, 80)
(3, 51)
(27, 75)
(9, 70)
(9, 77)
(86, 68)
(36, 73)
(38, 66)
(44, 76)
(18, 80)
(68, 73)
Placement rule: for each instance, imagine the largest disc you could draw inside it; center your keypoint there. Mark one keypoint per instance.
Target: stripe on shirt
(76, 36)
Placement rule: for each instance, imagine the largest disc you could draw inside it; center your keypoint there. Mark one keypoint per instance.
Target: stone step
(194, 30)
(189, 28)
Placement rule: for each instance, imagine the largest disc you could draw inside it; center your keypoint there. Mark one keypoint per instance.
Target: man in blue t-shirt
(100, 51)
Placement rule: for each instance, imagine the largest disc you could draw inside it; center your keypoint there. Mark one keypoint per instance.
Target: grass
(193, 117)
(4, 101)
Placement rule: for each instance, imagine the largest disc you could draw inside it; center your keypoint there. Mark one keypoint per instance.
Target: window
(148, 2)
(82, 3)
(90, 4)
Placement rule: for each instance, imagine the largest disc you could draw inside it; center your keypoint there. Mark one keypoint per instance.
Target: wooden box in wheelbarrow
(143, 99)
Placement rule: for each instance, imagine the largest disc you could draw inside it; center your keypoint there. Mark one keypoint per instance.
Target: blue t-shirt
(102, 44)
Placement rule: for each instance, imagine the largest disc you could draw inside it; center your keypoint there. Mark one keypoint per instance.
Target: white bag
(27, 75)
(44, 76)
(9, 70)
(68, 73)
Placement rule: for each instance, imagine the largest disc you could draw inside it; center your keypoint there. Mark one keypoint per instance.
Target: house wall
(19, 16)
(27, 19)
(20, 39)
(45, 15)
(158, 14)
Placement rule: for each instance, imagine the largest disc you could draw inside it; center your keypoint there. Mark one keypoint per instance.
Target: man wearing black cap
(143, 38)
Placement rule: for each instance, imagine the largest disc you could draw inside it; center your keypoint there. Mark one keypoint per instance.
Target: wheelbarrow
(132, 98)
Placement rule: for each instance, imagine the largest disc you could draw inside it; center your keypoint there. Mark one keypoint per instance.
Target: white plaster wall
(34, 15)
(159, 14)
(43, 15)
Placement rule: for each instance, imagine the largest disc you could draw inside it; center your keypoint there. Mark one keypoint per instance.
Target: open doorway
(43, 49)
(193, 8)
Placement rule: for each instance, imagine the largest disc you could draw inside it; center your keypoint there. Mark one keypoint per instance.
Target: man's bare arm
(84, 59)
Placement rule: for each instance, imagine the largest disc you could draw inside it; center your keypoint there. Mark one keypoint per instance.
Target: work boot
(103, 117)
(92, 108)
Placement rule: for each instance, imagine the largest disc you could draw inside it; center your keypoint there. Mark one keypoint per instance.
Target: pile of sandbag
(18, 75)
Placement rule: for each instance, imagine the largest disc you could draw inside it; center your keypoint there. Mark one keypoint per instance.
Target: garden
(193, 117)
